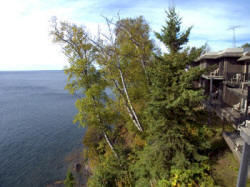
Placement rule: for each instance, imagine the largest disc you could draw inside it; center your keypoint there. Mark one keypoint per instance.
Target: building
(226, 83)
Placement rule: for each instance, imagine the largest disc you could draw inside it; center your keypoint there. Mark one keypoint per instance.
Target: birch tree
(125, 60)
(94, 106)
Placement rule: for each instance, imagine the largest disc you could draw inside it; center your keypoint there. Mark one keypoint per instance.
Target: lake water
(36, 130)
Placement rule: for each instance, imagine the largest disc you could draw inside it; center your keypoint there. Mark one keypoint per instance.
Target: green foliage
(148, 87)
(246, 45)
(171, 34)
(176, 139)
(69, 181)
(110, 172)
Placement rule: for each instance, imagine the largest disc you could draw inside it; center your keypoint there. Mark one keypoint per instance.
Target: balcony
(237, 80)
(216, 74)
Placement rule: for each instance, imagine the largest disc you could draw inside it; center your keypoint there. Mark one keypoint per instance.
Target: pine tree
(176, 138)
(171, 34)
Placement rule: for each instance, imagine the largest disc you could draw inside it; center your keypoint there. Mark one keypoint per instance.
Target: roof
(245, 56)
(230, 52)
(208, 55)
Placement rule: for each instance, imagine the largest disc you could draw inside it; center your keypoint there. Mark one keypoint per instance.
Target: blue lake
(36, 130)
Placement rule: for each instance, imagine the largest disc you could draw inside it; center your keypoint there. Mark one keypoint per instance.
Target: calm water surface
(36, 130)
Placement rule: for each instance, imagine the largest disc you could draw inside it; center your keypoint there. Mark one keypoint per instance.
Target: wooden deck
(220, 77)
(225, 112)
(239, 92)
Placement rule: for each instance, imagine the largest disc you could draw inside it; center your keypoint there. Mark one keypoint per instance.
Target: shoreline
(74, 161)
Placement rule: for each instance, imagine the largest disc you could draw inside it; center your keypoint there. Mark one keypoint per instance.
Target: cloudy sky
(26, 45)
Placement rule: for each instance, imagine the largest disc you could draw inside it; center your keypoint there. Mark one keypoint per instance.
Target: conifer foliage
(171, 35)
(139, 106)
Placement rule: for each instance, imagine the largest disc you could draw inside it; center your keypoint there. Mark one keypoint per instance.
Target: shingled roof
(208, 55)
(245, 56)
(230, 52)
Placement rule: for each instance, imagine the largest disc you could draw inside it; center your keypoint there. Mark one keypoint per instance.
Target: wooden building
(227, 87)
(226, 82)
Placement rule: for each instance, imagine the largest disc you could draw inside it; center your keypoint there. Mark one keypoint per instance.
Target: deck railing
(237, 79)
(215, 73)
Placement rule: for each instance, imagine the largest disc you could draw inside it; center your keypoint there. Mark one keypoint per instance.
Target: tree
(174, 154)
(246, 45)
(96, 66)
(171, 34)
(149, 132)
(94, 106)
(69, 181)
(176, 138)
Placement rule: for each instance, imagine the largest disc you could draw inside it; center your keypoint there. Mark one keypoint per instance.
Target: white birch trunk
(110, 144)
(105, 134)
(129, 102)
(127, 107)
(137, 46)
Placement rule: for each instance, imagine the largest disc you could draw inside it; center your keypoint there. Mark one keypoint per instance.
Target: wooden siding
(230, 97)
(233, 66)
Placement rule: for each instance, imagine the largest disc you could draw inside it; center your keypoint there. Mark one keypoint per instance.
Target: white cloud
(24, 33)
(25, 44)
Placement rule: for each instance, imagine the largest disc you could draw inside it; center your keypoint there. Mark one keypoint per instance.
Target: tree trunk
(138, 125)
(127, 107)
(137, 45)
(105, 134)
(110, 144)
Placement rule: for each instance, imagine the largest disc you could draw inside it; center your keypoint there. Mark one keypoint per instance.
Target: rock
(78, 167)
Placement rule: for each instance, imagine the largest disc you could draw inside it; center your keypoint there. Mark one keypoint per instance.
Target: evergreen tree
(175, 137)
(174, 154)
(171, 34)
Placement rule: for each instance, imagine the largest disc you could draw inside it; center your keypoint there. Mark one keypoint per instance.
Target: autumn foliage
(137, 103)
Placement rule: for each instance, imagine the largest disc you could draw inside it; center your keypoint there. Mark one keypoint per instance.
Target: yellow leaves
(192, 130)
(174, 183)
(139, 141)
(93, 159)
(174, 180)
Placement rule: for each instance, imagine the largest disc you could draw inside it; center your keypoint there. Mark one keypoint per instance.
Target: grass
(225, 170)
(224, 165)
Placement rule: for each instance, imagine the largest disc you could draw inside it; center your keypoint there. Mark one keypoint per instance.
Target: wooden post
(246, 75)
(247, 102)
(211, 89)
(224, 96)
(220, 93)
(223, 125)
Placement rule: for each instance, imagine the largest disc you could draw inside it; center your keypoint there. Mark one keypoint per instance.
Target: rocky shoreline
(79, 168)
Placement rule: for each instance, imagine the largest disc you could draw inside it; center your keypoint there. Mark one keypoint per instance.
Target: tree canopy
(171, 34)
(140, 109)
(246, 45)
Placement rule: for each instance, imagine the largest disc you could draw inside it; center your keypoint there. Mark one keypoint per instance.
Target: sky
(27, 45)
